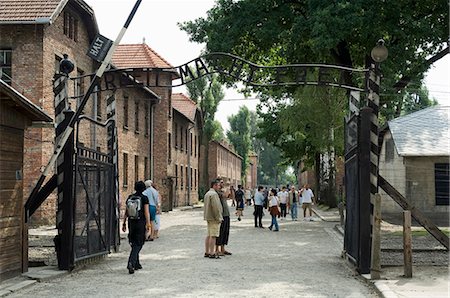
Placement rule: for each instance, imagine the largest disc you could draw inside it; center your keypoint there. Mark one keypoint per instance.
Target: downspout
(152, 113)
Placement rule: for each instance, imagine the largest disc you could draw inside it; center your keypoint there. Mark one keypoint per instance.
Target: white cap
(148, 183)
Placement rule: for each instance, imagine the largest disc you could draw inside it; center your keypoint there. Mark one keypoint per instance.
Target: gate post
(114, 213)
(365, 210)
(64, 214)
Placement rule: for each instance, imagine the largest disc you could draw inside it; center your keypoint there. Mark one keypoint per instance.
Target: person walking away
(212, 213)
(232, 196)
(273, 209)
(138, 216)
(283, 196)
(158, 214)
(259, 202)
(307, 201)
(224, 232)
(153, 198)
(248, 196)
(239, 195)
(293, 201)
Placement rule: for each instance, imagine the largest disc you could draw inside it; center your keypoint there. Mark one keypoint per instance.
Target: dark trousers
(133, 260)
(258, 215)
(283, 209)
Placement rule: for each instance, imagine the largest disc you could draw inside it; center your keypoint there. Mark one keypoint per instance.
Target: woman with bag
(273, 209)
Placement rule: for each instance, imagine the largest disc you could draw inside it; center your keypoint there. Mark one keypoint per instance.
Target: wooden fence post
(375, 269)
(407, 247)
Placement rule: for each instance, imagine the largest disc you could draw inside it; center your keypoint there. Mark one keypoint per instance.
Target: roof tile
(184, 105)
(26, 10)
(138, 56)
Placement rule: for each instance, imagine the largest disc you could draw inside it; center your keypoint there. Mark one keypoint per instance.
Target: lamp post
(379, 54)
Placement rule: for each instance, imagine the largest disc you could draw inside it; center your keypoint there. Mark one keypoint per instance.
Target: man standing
(293, 201)
(239, 196)
(259, 202)
(224, 232)
(248, 196)
(153, 198)
(212, 213)
(307, 198)
(283, 196)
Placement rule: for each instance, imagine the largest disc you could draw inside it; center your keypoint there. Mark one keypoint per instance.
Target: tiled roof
(184, 105)
(423, 133)
(136, 56)
(27, 10)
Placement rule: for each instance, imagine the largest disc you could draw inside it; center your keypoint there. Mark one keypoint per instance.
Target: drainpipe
(189, 166)
(152, 139)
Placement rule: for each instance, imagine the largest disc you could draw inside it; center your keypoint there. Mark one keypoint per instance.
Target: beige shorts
(306, 205)
(213, 228)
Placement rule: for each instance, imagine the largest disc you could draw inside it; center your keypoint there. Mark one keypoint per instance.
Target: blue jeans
(294, 214)
(274, 222)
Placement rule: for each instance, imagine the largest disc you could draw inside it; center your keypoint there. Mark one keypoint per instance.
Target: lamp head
(379, 53)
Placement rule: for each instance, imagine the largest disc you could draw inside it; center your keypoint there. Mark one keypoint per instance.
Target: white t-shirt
(248, 194)
(307, 196)
(273, 201)
(283, 197)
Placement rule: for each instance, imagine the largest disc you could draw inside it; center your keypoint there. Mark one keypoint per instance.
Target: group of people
(278, 202)
(142, 213)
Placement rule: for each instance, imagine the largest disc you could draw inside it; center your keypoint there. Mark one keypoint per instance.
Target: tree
(239, 136)
(207, 93)
(340, 32)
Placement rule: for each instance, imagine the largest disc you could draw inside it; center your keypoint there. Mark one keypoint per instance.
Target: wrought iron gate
(95, 221)
(357, 240)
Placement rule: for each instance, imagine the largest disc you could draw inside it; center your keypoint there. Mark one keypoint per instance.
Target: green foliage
(339, 32)
(239, 136)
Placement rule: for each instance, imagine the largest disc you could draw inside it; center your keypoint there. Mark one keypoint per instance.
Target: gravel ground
(303, 259)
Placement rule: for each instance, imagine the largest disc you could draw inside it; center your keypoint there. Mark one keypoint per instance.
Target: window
(147, 118)
(176, 176)
(125, 170)
(181, 177)
(442, 183)
(99, 104)
(136, 168)
(136, 116)
(181, 138)
(169, 139)
(191, 179)
(389, 150)
(5, 65)
(125, 111)
(176, 136)
(79, 86)
(195, 147)
(195, 178)
(70, 26)
(192, 150)
(146, 175)
(186, 139)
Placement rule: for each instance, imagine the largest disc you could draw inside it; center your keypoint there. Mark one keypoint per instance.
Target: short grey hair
(148, 183)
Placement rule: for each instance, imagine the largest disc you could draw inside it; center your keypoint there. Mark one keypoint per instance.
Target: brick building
(34, 36)
(252, 171)
(224, 162)
(185, 149)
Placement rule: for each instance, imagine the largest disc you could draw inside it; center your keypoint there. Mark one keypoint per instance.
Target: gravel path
(303, 259)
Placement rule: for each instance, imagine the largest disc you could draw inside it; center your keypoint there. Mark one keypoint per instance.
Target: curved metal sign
(235, 67)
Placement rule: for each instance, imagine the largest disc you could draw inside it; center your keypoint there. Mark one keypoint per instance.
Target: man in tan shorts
(212, 213)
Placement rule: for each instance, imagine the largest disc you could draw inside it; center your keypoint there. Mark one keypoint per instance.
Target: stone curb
(316, 212)
(380, 287)
(187, 208)
(16, 287)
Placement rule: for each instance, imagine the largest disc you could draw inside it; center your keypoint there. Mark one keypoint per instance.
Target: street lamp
(379, 53)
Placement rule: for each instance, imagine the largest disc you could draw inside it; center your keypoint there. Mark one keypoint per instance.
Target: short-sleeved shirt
(307, 196)
(283, 196)
(153, 196)
(144, 201)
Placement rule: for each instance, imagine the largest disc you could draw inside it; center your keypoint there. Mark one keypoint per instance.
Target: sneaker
(130, 268)
(276, 230)
(239, 219)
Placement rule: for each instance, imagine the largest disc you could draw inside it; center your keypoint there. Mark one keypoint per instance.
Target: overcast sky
(156, 21)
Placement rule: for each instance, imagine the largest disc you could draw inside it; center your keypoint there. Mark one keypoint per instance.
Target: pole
(375, 269)
(189, 166)
(66, 134)
(407, 248)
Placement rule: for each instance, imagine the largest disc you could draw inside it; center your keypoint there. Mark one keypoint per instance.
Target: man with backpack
(138, 215)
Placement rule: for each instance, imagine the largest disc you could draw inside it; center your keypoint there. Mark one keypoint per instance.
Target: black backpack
(134, 206)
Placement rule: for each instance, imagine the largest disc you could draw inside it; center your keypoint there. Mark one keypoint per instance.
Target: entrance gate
(87, 218)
